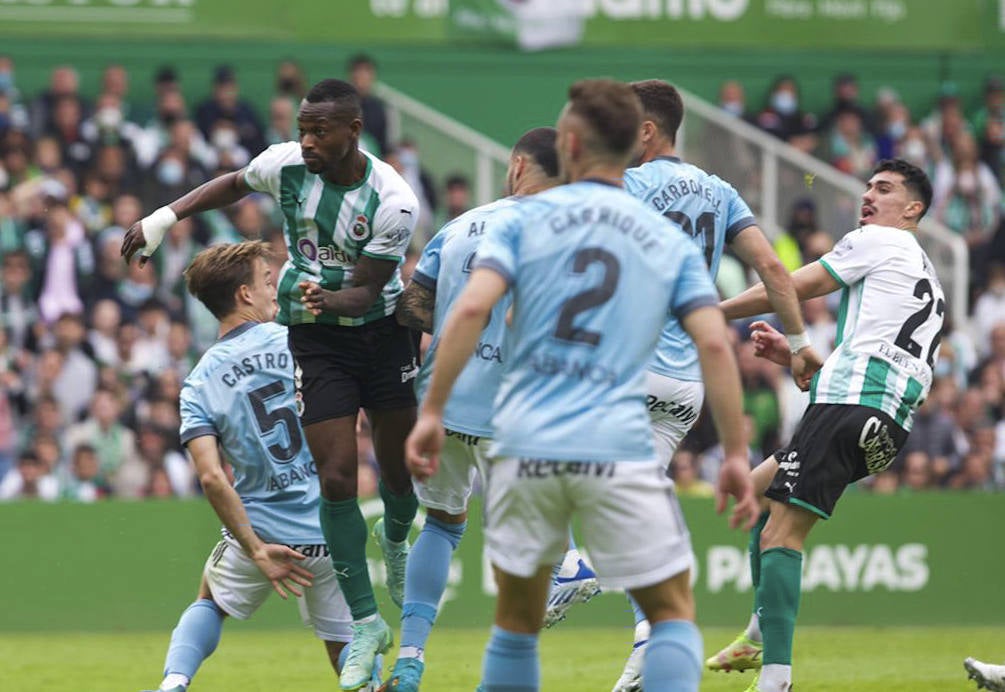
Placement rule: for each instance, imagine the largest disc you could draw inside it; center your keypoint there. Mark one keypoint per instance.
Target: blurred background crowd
(93, 352)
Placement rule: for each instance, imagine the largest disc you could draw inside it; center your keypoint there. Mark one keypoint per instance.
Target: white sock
(570, 564)
(754, 628)
(412, 652)
(367, 620)
(775, 677)
(173, 680)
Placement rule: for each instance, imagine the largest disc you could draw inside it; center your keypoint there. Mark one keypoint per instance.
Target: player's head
(533, 163)
(898, 194)
(330, 121)
(234, 279)
(662, 113)
(599, 127)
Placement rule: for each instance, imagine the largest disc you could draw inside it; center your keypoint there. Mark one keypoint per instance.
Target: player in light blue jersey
(239, 400)
(712, 213)
(593, 275)
(439, 278)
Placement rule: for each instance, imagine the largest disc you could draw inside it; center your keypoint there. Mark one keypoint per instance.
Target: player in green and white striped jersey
(348, 218)
(862, 400)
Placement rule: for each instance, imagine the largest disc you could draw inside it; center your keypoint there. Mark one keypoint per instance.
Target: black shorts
(341, 369)
(833, 446)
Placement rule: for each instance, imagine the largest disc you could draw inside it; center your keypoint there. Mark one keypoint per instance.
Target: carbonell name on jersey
(248, 365)
(673, 192)
(629, 226)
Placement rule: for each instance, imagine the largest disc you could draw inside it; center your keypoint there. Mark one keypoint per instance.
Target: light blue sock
(673, 658)
(511, 663)
(426, 579)
(195, 638)
(378, 665)
(636, 610)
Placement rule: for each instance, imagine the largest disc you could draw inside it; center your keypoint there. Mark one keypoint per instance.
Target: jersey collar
(672, 159)
(238, 330)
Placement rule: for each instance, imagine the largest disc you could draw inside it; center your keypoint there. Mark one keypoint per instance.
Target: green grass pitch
(580, 659)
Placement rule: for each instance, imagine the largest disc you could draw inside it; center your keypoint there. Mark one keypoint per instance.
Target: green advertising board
(917, 25)
(903, 560)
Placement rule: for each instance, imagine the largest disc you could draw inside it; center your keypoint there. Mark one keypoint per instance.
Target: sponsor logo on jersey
(307, 248)
(545, 468)
(409, 371)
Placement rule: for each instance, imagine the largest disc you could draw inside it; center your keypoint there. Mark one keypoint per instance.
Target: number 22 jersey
(889, 322)
(241, 392)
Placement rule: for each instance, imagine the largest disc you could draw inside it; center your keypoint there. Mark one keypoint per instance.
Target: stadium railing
(770, 174)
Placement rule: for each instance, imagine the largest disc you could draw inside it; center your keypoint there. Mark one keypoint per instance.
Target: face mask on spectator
(784, 102)
(287, 85)
(170, 172)
(408, 158)
(897, 129)
(733, 108)
(224, 139)
(966, 182)
(914, 151)
(108, 118)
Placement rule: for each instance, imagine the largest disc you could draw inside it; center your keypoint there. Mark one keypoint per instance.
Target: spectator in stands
(893, 129)
(989, 126)
(783, 117)
(945, 122)
(966, 196)
(175, 254)
(291, 82)
(687, 480)
(989, 309)
(114, 443)
(936, 434)
(79, 480)
(917, 473)
(78, 377)
(29, 480)
(974, 473)
(115, 83)
(282, 121)
(363, 75)
(64, 83)
(458, 197)
(226, 104)
(18, 309)
(733, 99)
(13, 113)
(851, 148)
(62, 258)
(845, 91)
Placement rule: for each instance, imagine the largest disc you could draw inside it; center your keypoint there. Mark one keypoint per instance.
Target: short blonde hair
(216, 273)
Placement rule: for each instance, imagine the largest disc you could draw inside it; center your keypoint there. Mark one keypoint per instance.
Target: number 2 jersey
(711, 212)
(889, 322)
(241, 392)
(594, 274)
(329, 227)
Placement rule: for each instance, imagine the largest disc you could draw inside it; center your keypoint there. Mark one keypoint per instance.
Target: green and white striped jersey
(889, 324)
(328, 227)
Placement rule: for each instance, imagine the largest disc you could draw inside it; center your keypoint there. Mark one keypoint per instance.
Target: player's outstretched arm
(415, 307)
(146, 234)
(754, 249)
(460, 336)
(810, 281)
(277, 562)
(707, 329)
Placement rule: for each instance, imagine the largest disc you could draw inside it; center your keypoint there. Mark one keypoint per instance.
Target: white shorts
(463, 459)
(239, 588)
(674, 406)
(632, 524)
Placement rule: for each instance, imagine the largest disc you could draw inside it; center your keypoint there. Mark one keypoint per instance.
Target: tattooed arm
(415, 307)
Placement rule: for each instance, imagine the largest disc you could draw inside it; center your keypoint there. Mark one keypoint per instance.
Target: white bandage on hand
(154, 228)
(797, 342)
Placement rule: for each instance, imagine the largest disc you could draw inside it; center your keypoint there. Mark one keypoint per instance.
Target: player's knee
(337, 484)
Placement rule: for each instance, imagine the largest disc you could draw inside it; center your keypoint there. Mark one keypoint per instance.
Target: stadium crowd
(93, 352)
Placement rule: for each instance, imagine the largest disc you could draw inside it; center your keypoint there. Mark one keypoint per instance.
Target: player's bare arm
(277, 562)
(810, 281)
(753, 249)
(415, 308)
(460, 336)
(707, 328)
(147, 233)
(368, 280)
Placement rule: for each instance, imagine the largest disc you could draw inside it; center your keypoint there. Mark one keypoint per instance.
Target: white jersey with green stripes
(889, 323)
(328, 227)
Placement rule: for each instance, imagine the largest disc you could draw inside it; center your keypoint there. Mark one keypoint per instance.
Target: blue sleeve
(498, 248)
(693, 287)
(634, 182)
(427, 270)
(195, 420)
(738, 214)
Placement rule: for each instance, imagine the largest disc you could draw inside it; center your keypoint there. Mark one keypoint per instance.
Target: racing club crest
(360, 230)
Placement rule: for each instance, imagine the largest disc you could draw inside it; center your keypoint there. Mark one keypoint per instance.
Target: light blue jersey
(241, 392)
(444, 267)
(594, 275)
(711, 212)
